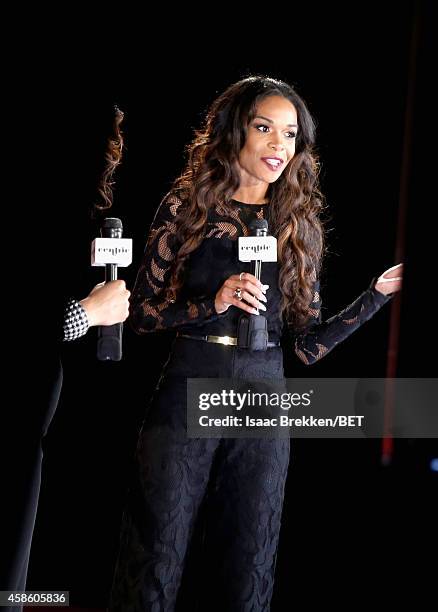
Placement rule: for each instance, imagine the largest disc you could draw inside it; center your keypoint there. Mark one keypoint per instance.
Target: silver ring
(241, 274)
(238, 293)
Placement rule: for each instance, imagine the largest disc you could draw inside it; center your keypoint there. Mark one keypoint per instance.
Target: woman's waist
(228, 328)
(196, 358)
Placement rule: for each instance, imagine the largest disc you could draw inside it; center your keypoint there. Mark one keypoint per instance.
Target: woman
(253, 159)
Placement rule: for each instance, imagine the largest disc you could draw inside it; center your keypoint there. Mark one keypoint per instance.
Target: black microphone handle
(109, 337)
(110, 272)
(252, 330)
(257, 268)
(258, 227)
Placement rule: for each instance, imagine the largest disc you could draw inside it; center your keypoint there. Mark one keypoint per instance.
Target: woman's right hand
(252, 291)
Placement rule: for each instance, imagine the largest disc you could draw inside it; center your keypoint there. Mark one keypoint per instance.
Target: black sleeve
(319, 337)
(151, 309)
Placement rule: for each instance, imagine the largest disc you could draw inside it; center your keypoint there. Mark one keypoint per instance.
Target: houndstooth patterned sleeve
(75, 321)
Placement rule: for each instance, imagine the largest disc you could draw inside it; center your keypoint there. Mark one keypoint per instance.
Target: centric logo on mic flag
(111, 251)
(260, 248)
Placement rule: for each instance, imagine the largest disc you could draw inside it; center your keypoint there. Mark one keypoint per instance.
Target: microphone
(258, 246)
(252, 331)
(111, 251)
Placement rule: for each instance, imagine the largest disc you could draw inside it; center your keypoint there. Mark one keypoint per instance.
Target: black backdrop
(342, 507)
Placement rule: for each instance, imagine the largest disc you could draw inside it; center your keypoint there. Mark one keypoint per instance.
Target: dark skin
(269, 147)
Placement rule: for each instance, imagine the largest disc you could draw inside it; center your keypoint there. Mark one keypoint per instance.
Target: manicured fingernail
(255, 311)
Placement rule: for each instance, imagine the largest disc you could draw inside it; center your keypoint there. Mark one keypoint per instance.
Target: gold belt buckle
(227, 340)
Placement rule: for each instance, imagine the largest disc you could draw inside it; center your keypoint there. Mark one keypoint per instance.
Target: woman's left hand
(391, 280)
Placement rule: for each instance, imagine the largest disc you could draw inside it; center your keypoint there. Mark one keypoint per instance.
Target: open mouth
(273, 163)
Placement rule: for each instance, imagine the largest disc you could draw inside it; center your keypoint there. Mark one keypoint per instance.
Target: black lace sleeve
(151, 310)
(319, 337)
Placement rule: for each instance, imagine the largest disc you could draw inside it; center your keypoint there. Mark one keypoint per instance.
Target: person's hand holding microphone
(107, 303)
(242, 290)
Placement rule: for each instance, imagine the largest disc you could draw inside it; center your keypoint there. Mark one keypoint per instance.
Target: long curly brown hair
(211, 177)
(113, 157)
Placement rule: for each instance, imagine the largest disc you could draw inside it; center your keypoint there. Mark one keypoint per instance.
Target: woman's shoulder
(172, 204)
(173, 200)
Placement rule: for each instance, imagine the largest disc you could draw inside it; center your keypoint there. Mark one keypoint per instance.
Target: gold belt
(227, 340)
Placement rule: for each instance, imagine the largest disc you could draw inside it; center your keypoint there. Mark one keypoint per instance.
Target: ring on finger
(238, 293)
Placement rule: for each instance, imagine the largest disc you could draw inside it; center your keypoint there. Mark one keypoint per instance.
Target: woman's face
(270, 142)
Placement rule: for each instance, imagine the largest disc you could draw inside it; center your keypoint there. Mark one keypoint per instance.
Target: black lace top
(209, 266)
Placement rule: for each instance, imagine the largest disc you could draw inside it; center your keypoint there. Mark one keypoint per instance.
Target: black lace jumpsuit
(245, 477)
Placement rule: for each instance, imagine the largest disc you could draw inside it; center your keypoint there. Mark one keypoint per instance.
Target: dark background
(348, 520)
